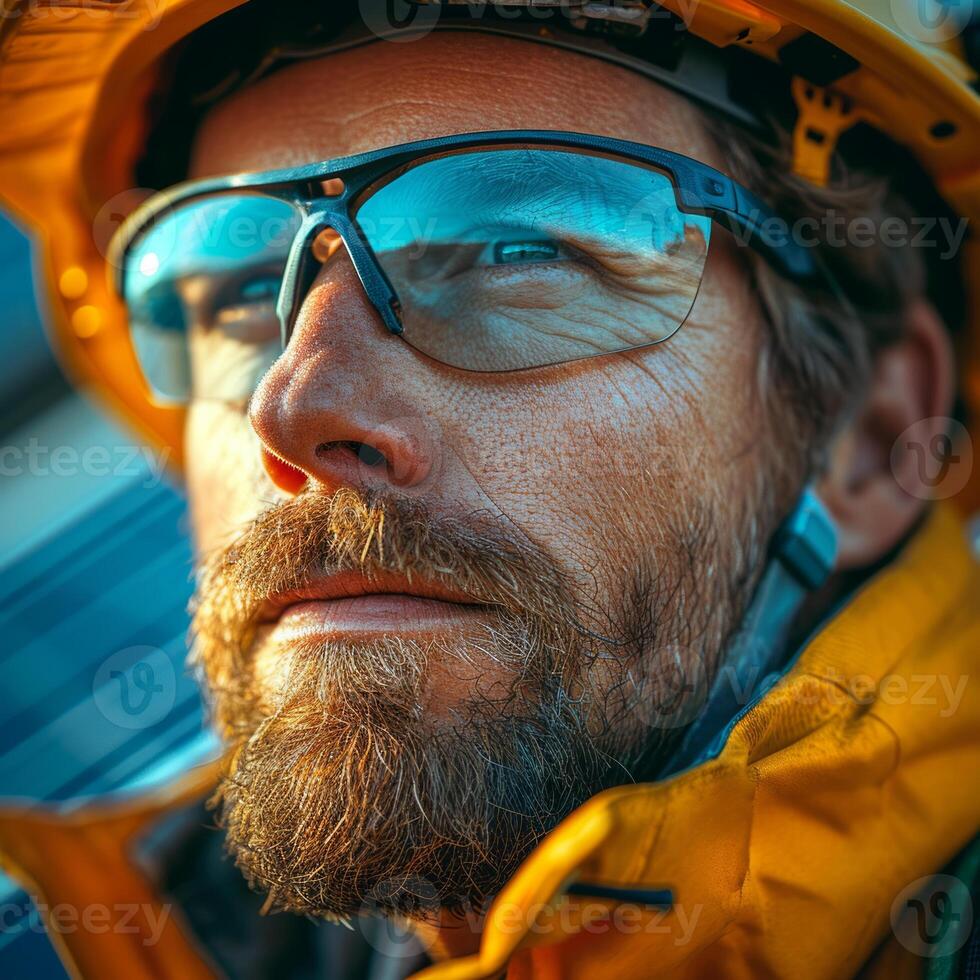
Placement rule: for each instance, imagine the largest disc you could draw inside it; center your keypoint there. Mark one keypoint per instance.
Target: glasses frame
(698, 188)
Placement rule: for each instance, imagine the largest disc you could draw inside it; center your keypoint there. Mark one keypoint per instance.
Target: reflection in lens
(511, 258)
(201, 288)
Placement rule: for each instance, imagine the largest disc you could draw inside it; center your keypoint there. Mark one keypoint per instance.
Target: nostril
(364, 453)
(370, 456)
(398, 463)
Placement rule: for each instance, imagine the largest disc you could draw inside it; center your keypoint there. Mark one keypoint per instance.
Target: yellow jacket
(849, 781)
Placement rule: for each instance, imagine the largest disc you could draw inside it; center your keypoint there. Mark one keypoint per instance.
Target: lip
(350, 604)
(373, 615)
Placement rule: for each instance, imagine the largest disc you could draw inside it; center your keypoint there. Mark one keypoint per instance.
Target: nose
(338, 408)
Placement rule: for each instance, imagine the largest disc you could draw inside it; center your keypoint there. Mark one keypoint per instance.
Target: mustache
(376, 532)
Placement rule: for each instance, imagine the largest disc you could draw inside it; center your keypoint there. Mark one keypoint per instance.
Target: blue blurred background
(94, 582)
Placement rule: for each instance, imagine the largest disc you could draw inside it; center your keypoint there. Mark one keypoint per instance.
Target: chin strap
(801, 557)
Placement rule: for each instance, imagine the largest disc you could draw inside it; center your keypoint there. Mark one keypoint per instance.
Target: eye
(247, 297)
(443, 261)
(260, 289)
(244, 310)
(508, 253)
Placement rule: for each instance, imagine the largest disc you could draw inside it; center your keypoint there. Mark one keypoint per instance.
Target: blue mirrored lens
(201, 287)
(519, 257)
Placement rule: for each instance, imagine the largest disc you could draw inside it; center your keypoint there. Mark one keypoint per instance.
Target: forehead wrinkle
(377, 96)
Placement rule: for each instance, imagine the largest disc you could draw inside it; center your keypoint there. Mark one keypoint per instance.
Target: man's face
(472, 600)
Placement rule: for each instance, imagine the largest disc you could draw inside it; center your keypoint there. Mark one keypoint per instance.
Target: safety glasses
(496, 251)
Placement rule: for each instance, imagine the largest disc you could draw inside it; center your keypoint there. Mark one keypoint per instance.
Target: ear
(870, 469)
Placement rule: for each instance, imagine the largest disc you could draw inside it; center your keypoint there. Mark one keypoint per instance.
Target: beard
(348, 790)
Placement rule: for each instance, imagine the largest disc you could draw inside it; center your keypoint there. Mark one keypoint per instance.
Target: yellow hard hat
(76, 80)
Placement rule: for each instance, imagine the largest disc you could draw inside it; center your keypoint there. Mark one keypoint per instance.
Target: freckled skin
(581, 458)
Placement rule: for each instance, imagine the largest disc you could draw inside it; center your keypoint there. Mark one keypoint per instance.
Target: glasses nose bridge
(302, 266)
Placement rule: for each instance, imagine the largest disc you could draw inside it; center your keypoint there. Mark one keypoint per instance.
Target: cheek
(601, 462)
(569, 461)
(225, 480)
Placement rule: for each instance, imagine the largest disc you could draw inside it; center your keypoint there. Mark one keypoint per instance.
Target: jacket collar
(784, 854)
